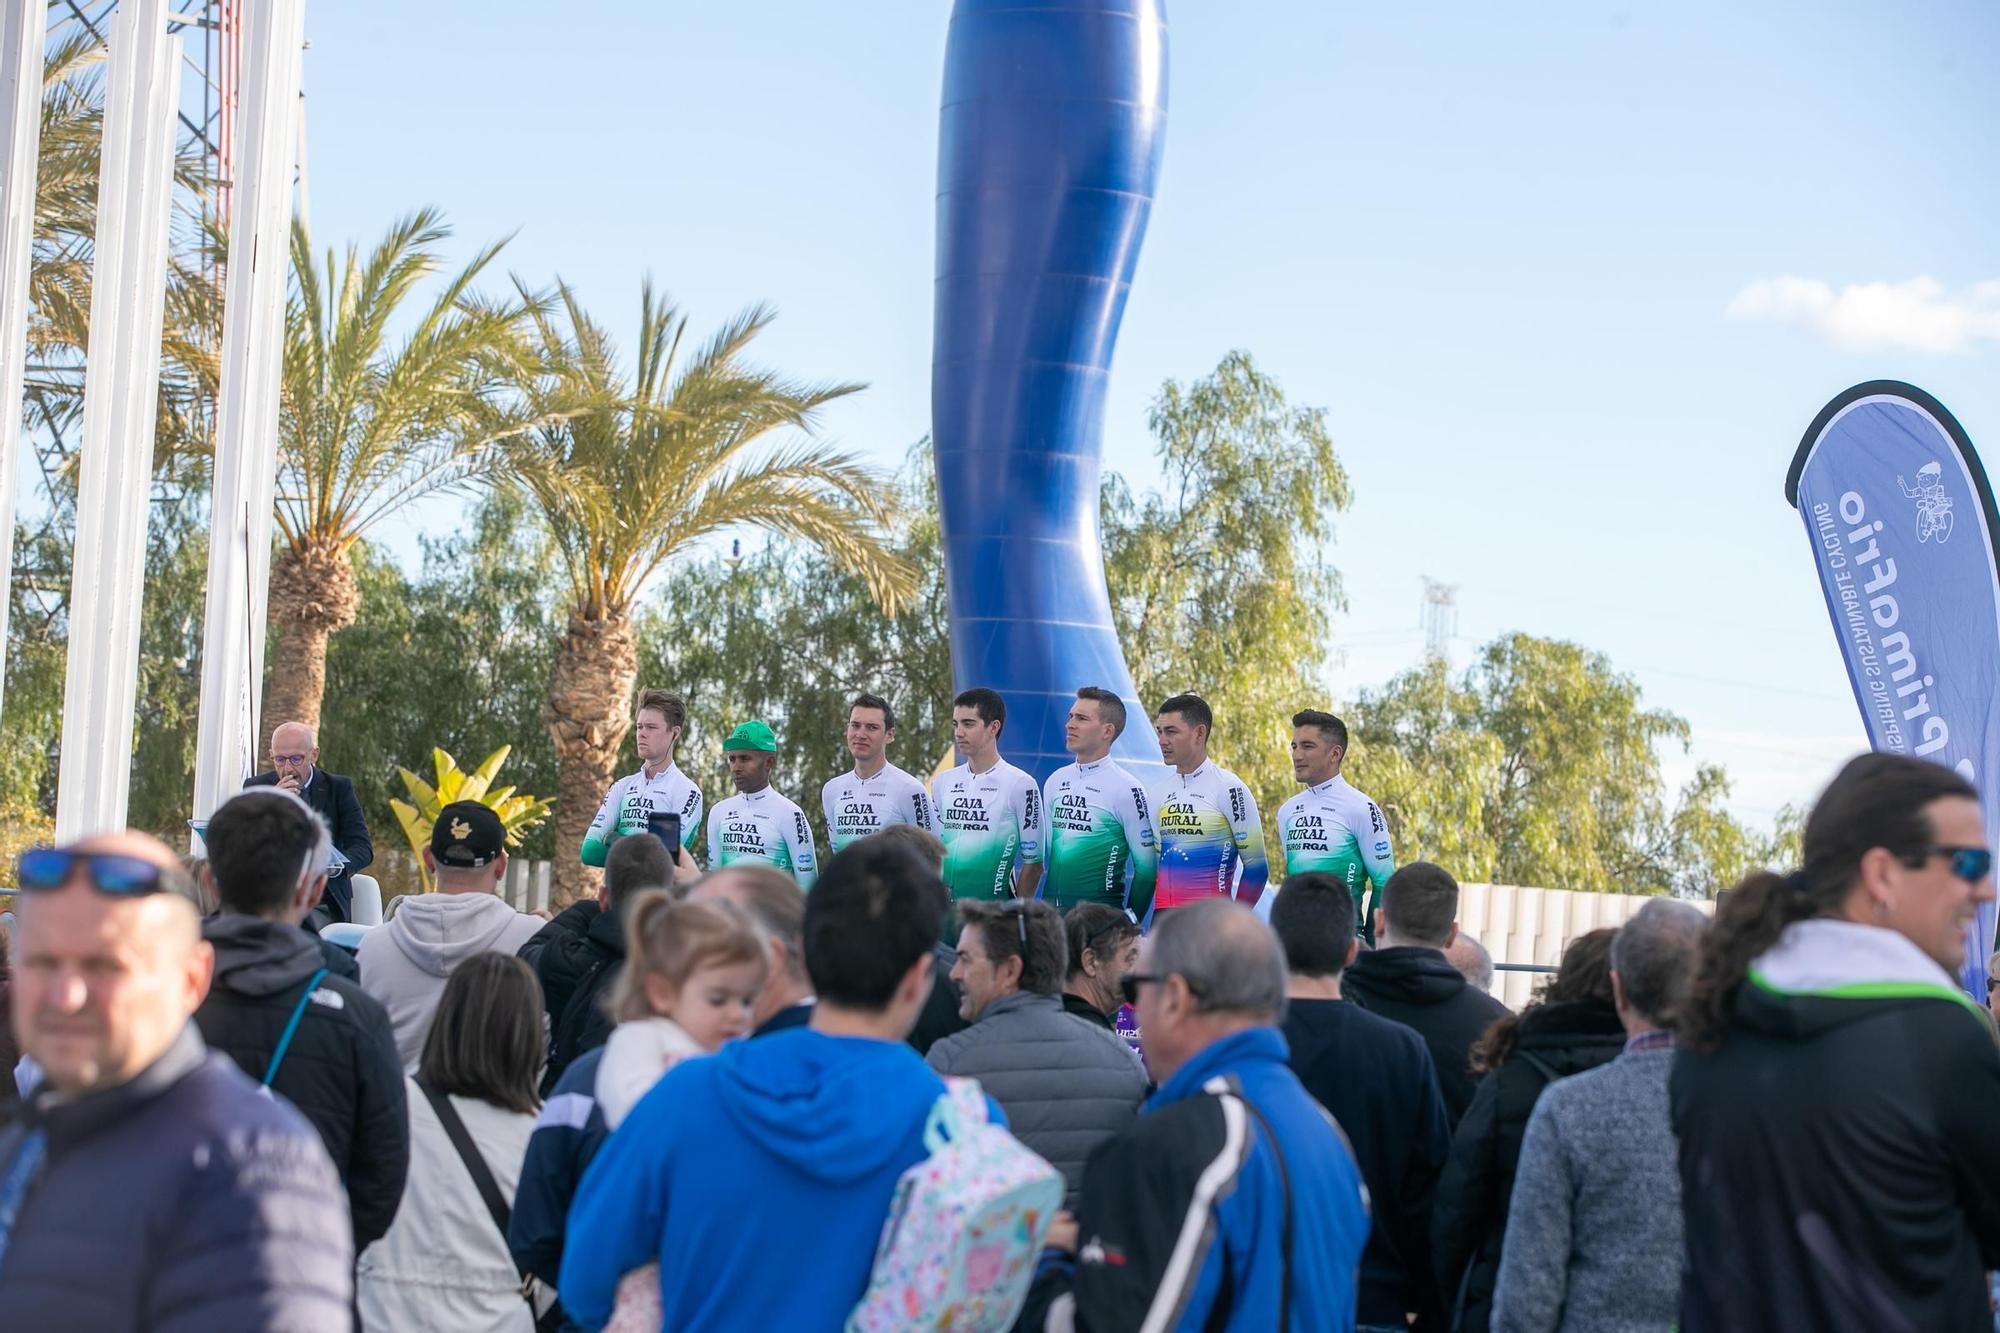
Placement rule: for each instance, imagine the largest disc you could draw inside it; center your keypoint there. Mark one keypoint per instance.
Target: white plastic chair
(367, 906)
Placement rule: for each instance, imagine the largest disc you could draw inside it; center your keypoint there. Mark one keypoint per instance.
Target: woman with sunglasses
(1835, 1094)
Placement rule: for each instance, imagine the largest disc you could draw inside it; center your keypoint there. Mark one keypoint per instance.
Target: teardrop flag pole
(1901, 521)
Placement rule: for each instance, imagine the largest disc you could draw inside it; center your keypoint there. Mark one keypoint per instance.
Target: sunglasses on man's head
(110, 872)
(1018, 908)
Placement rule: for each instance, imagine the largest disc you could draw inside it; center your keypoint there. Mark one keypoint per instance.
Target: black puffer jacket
(1469, 1216)
(180, 1202)
(1419, 989)
(341, 1069)
(576, 957)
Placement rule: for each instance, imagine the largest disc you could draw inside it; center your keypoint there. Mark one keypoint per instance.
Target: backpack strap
(291, 1026)
(1284, 1179)
(468, 1153)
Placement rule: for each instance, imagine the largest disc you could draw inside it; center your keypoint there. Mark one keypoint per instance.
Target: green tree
(630, 470)
(1539, 765)
(368, 425)
(786, 635)
(457, 657)
(1219, 577)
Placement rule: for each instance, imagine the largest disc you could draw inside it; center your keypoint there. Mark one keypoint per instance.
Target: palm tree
(629, 472)
(367, 427)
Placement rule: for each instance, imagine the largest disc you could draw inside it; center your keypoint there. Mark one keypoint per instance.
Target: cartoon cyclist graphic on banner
(1933, 505)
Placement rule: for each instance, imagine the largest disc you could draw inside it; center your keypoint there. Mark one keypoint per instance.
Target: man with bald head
(295, 768)
(1234, 1199)
(148, 1184)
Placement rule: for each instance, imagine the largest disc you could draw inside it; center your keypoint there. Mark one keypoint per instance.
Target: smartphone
(667, 828)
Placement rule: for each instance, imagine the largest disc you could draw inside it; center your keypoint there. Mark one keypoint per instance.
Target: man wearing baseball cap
(759, 825)
(405, 963)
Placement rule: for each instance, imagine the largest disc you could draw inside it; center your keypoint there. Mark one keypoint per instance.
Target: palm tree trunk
(313, 597)
(588, 712)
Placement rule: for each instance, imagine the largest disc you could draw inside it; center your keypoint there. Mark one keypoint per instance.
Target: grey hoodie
(404, 964)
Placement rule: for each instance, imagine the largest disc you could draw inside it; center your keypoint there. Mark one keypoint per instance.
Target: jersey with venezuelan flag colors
(1211, 843)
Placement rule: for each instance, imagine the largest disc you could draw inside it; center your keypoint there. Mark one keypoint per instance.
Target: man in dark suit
(295, 768)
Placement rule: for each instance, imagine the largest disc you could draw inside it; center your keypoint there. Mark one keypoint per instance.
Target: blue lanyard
(21, 1174)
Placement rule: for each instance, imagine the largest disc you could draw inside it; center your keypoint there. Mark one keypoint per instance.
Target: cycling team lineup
(1090, 834)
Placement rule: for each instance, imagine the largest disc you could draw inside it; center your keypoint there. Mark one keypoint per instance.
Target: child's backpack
(965, 1228)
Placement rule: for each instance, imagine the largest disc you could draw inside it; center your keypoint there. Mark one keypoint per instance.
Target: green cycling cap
(751, 736)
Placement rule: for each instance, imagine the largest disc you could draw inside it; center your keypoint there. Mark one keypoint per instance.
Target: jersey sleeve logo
(1236, 804)
(1032, 806)
(1139, 800)
(1374, 818)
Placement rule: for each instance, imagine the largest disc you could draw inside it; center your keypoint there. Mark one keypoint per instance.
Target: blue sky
(1524, 256)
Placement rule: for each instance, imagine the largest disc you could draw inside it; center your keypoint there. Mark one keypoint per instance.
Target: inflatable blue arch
(1053, 120)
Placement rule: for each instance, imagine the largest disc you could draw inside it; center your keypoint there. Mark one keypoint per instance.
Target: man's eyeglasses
(122, 876)
(295, 760)
(1971, 864)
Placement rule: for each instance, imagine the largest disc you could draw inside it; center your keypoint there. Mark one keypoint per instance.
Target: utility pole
(1440, 618)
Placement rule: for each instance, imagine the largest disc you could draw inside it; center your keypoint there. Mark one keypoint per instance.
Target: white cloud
(1918, 314)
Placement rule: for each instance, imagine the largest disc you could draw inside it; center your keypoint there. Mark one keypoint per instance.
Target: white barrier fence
(1523, 925)
(526, 885)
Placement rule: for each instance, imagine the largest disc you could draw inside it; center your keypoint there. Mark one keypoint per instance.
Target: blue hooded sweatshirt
(759, 1178)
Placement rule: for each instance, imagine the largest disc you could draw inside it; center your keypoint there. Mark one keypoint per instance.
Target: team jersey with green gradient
(855, 806)
(1211, 842)
(762, 828)
(1334, 828)
(1099, 824)
(991, 824)
(633, 799)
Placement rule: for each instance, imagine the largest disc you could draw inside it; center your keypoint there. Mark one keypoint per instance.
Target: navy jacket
(1377, 1079)
(566, 1139)
(333, 797)
(184, 1201)
(1182, 1219)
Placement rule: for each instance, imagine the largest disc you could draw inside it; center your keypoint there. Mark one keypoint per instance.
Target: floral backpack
(964, 1229)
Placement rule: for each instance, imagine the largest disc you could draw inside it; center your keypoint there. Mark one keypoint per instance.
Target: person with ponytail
(1836, 1095)
(1571, 1027)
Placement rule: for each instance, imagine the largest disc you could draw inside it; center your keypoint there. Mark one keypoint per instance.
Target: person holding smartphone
(658, 788)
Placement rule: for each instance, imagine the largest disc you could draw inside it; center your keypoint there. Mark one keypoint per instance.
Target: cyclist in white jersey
(989, 812)
(757, 824)
(877, 793)
(1205, 820)
(1099, 818)
(658, 788)
(1330, 826)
